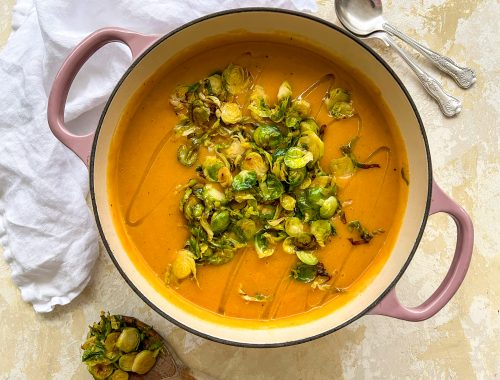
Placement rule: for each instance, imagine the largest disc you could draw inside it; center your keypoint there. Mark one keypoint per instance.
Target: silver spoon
(364, 19)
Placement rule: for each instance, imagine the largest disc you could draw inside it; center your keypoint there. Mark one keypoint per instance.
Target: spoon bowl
(361, 17)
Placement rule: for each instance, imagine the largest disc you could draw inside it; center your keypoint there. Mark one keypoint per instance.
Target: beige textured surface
(5, 19)
(461, 342)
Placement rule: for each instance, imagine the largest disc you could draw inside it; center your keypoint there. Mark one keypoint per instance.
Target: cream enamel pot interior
(425, 197)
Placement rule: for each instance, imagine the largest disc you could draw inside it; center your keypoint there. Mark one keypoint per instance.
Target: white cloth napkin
(46, 229)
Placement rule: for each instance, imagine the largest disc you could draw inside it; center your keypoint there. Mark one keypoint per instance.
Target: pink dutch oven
(425, 197)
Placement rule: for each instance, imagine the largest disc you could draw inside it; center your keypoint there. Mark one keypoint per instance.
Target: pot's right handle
(82, 145)
(390, 305)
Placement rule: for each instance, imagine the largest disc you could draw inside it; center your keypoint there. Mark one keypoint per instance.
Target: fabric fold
(47, 232)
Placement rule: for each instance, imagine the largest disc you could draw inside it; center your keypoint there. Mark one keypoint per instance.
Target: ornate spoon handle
(449, 105)
(464, 76)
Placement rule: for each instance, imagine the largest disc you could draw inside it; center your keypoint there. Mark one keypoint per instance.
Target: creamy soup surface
(145, 176)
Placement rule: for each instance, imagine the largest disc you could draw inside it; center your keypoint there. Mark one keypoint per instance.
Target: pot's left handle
(82, 145)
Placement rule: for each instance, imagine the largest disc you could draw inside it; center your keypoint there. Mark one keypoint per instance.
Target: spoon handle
(464, 76)
(449, 105)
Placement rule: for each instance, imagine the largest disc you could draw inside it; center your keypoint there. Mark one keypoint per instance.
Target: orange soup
(299, 232)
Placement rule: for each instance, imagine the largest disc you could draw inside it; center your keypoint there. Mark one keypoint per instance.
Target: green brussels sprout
(128, 340)
(276, 223)
(279, 168)
(243, 196)
(236, 79)
(271, 188)
(258, 103)
(100, 371)
(197, 232)
(321, 230)
(206, 226)
(341, 110)
(342, 167)
(287, 202)
(244, 180)
(224, 176)
(220, 221)
(304, 273)
(278, 113)
(280, 152)
(308, 209)
(187, 154)
(253, 161)
(112, 352)
(296, 176)
(305, 241)
(317, 195)
(307, 258)
(185, 197)
(184, 95)
(211, 167)
(212, 195)
(267, 212)
(183, 265)
(294, 226)
(195, 247)
(328, 208)
(310, 201)
(251, 209)
(214, 84)
(275, 236)
(119, 375)
(200, 112)
(309, 125)
(310, 141)
(364, 234)
(308, 273)
(288, 245)
(89, 342)
(296, 158)
(230, 113)
(285, 91)
(267, 136)
(302, 107)
(235, 149)
(245, 229)
(193, 208)
(305, 183)
(94, 355)
(185, 127)
(321, 181)
(292, 119)
(178, 98)
(263, 245)
(220, 257)
(339, 103)
(337, 95)
(143, 362)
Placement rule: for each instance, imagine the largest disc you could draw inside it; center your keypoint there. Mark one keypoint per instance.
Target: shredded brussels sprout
(261, 182)
(258, 297)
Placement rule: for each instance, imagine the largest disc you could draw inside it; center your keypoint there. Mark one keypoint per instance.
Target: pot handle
(82, 145)
(390, 305)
